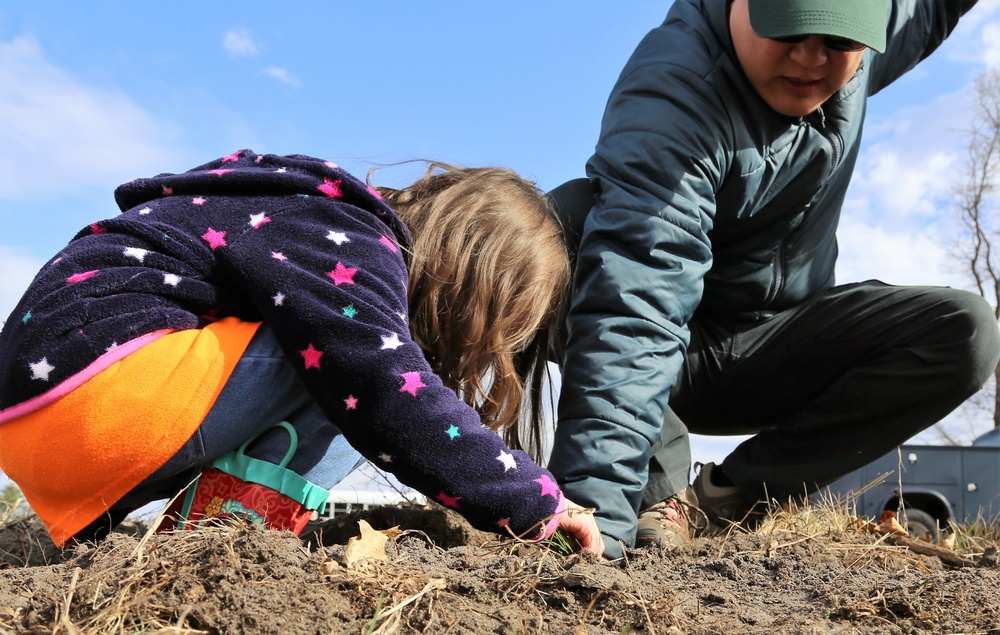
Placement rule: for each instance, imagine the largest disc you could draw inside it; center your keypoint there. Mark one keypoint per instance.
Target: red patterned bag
(236, 486)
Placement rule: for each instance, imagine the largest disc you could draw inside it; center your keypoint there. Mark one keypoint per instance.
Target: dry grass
(162, 583)
(977, 536)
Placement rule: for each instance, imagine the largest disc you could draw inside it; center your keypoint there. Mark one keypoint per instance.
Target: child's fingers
(581, 524)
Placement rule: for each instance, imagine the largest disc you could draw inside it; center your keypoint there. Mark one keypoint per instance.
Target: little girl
(259, 288)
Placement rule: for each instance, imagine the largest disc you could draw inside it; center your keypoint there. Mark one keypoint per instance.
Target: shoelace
(694, 515)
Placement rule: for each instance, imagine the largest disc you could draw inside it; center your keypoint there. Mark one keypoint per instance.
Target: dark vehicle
(928, 485)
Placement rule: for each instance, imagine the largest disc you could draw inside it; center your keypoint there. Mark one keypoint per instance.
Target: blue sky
(95, 94)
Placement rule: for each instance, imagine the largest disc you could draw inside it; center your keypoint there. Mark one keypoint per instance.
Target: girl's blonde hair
(489, 272)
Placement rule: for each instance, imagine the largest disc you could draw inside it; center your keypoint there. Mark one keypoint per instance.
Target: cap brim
(863, 21)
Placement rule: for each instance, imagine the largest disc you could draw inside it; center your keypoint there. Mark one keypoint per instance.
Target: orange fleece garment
(77, 456)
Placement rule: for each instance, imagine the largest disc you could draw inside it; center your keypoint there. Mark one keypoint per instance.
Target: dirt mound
(443, 576)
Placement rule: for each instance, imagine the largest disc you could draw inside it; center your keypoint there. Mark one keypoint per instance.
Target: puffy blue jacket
(707, 200)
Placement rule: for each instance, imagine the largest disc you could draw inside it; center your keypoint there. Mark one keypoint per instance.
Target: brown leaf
(369, 544)
(948, 542)
(888, 524)
(328, 566)
(392, 532)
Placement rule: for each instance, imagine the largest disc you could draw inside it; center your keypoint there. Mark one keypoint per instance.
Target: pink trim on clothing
(72, 383)
(553, 523)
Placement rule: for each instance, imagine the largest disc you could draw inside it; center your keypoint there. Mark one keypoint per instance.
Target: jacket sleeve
(916, 29)
(331, 283)
(639, 277)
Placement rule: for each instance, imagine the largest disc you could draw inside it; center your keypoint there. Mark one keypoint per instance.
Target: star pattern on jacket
(41, 369)
(342, 275)
(256, 220)
(214, 238)
(171, 279)
(385, 240)
(135, 252)
(311, 356)
(448, 501)
(351, 402)
(412, 382)
(391, 342)
(338, 237)
(331, 188)
(507, 459)
(80, 277)
(549, 487)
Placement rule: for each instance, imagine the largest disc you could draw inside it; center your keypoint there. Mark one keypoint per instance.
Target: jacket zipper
(779, 254)
(779, 274)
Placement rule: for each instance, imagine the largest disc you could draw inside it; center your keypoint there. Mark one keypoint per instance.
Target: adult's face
(794, 79)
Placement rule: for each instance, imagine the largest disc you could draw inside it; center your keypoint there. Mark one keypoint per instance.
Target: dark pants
(825, 387)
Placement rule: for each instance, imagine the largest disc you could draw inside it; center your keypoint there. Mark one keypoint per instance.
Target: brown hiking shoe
(671, 522)
(723, 505)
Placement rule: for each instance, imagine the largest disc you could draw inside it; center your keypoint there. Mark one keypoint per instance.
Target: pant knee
(974, 339)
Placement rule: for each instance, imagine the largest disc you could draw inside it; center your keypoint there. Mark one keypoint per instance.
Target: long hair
(489, 272)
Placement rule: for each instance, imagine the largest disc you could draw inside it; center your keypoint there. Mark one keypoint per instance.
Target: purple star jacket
(303, 246)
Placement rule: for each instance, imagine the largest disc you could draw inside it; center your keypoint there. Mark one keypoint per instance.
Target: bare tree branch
(974, 205)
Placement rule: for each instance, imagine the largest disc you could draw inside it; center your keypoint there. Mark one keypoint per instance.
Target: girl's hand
(580, 523)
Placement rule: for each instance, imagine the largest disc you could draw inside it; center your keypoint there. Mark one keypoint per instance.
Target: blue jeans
(263, 389)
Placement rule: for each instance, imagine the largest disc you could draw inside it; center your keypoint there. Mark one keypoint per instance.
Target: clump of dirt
(441, 575)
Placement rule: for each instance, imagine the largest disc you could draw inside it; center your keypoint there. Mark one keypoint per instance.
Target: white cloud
(896, 216)
(972, 41)
(58, 134)
(904, 188)
(282, 75)
(18, 272)
(991, 44)
(897, 257)
(239, 43)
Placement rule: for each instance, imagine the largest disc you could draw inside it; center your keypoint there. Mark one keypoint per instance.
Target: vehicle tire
(919, 524)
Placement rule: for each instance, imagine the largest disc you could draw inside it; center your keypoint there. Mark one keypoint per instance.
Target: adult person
(704, 285)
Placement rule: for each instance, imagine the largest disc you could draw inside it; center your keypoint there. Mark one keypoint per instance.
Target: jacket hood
(250, 174)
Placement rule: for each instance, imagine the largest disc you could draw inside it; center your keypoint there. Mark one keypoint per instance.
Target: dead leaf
(948, 542)
(370, 544)
(392, 532)
(888, 524)
(329, 566)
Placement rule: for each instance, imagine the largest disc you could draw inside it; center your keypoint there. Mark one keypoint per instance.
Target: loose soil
(442, 576)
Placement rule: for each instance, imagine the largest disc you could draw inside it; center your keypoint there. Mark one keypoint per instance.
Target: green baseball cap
(863, 21)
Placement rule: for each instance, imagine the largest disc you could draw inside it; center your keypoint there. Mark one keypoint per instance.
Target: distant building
(352, 500)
